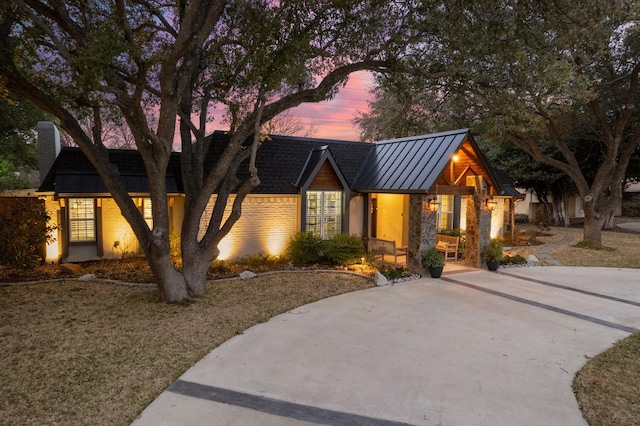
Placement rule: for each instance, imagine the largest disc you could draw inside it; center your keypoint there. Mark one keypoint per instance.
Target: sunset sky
(333, 119)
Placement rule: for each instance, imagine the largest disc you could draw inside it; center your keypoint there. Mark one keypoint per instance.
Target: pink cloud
(333, 119)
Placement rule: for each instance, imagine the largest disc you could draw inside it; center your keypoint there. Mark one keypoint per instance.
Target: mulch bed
(136, 270)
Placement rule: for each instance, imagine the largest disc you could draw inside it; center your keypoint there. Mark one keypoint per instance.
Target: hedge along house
(323, 186)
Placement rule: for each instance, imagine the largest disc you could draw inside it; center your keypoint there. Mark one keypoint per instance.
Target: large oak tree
(536, 73)
(164, 67)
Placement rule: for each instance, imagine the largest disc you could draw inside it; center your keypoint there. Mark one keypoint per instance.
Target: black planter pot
(435, 271)
(492, 265)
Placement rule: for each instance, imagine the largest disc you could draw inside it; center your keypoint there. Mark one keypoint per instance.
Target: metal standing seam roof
(408, 165)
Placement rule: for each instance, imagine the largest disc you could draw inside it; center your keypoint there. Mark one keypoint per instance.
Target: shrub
(521, 218)
(261, 262)
(432, 258)
(631, 208)
(493, 251)
(542, 220)
(516, 259)
(345, 249)
(393, 272)
(306, 247)
(24, 233)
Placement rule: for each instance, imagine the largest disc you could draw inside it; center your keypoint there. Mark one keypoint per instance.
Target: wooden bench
(381, 248)
(448, 245)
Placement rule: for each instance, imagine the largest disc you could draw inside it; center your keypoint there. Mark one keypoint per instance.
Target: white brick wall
(265, 226)
(54, 248)
(116, 228)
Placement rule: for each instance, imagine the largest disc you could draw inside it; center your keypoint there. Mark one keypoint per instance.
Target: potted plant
(433, 260)
(493, 254)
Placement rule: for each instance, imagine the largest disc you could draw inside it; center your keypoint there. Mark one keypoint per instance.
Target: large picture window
(324, 213)
(82, 220)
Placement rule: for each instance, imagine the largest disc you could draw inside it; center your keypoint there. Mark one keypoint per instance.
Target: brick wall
(116, 228)
(265, 226)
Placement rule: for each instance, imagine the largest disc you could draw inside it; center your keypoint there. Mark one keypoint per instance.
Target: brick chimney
(48, 146)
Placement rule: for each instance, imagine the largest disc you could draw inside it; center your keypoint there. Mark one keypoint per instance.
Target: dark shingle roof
(281, 160)
(73, 173)
(506, 187)
(408, 165)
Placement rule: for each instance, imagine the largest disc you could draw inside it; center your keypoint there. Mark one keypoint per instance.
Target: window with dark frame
(82, 220)
(324, 213)
(445, 213)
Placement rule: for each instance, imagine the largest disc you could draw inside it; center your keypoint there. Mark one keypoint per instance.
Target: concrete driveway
(472, 348)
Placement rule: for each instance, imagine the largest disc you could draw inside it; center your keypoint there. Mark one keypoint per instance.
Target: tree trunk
(171, 283)
(608, 222)
(592, 231)
(194, 270)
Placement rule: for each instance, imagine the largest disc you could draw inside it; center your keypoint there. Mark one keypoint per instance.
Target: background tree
(532, 72)
(18, 152)
(179, 60)
(286, 124)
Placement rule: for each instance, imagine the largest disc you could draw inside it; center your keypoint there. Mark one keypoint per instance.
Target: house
(385, 190)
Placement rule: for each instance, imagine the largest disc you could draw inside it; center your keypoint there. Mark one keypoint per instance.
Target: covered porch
(437, 183)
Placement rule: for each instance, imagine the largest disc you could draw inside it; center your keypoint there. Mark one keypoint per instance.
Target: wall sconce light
(432, 204)
(491, 204)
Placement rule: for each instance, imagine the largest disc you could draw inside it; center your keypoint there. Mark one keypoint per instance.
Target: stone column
(477, 232)
(422, 232)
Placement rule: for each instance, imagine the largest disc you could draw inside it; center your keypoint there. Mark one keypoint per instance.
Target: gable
(408, 165)
(286, 163)
(418, 164)
(465, 162)
(326, 178)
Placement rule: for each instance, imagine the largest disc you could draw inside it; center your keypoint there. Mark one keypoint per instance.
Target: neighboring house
(379, 190)
(571, 208)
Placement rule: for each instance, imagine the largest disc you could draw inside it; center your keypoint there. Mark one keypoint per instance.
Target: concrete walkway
(544, 253)
(472, 348)
(630, 226)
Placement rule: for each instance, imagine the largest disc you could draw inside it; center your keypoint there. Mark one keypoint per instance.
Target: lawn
(83, 353)
(74, 351)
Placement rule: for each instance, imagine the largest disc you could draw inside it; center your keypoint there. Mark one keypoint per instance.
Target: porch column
(422, 232)
(477, 232)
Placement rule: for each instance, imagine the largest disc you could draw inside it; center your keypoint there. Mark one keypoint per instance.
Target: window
(82, 223)
(147, 212)
(445, 213)
(324, 213)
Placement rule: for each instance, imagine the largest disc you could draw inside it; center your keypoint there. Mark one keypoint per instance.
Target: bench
(381, 248)
(448, 245)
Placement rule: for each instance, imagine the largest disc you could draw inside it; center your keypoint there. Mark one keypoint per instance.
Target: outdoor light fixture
(491, 204)
(432, 204)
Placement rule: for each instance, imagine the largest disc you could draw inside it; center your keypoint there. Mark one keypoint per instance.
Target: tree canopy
(535, 73)
(18, 142)
(164, 68)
